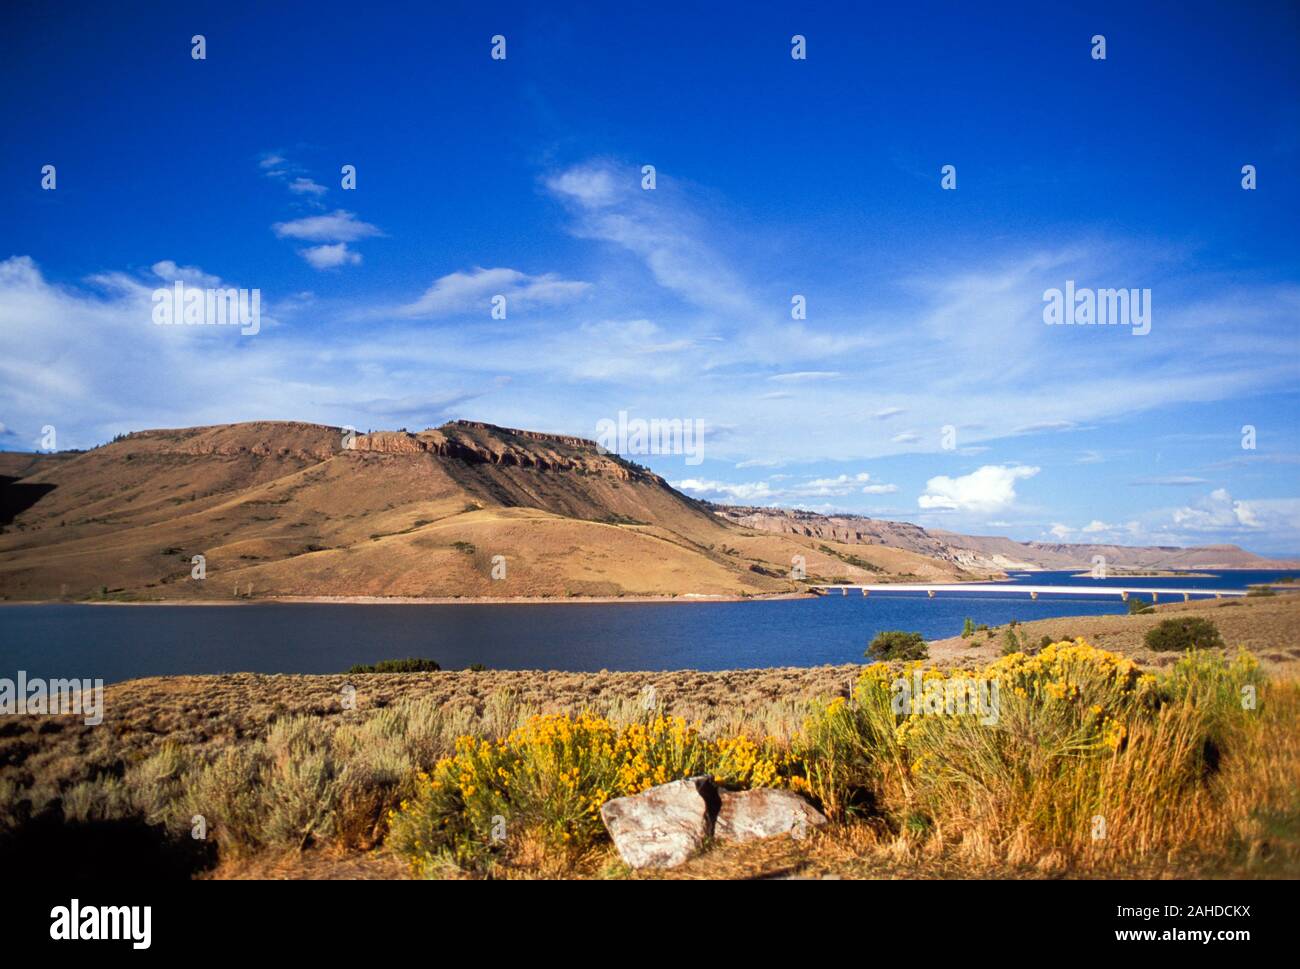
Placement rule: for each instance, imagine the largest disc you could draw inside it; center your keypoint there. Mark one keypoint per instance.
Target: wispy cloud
(805, 376)
(306, 186)
(658, 226)
(1172, 480)
(461, 291)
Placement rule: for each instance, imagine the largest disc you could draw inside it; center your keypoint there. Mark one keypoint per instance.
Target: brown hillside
(282, 508)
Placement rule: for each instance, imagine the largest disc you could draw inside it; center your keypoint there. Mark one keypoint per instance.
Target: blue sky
(775, 177)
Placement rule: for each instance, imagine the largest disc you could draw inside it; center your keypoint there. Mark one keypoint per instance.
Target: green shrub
(968, 628)
(409, 665)
(1184, 633)
(1011, 642)
(228, 794)
(1223, 689)
(155, 785)
(300, 784)
(896, 644)
(103, 799)
(1137, 607)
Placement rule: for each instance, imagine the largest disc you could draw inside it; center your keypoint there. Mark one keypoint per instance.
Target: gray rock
(764, 813)
(665, 825)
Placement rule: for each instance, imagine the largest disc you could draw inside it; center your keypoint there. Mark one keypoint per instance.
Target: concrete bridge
(966, 588)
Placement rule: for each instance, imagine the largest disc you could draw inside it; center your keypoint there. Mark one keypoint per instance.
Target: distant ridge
(990, 552)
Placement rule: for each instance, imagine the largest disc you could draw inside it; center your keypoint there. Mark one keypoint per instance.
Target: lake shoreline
(364, 600)
(418, 600)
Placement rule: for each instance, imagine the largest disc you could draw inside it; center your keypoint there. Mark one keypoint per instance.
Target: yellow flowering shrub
(1025, 714)
(958, 727)
(550, 777)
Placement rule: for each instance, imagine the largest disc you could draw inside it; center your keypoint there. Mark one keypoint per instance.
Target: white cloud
(306, 186)
(1061, 531)
(1095, 526)
(887, 412)
(991, 488)
(1216, 512)
(337, 226)
(167, 270)
(331, 256)
(590, 185)
(461, 291)
(905, 437)
(843, 484)
(795, 492)
(755, 491)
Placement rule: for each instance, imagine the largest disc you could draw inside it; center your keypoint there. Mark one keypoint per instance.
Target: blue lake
(116, 643)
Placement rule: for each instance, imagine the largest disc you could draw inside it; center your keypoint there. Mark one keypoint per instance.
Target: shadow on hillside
(127, 848)
(16, 497)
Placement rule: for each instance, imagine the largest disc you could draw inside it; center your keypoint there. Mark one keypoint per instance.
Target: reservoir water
(123, 642)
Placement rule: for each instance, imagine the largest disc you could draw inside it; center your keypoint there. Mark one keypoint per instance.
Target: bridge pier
(1187, 597)
(1033, 595)
(844, 590)
(930, 593)
(865, 593)
(1155, 597)
(1123, 596)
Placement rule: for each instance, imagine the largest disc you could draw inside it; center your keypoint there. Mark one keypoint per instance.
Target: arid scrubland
(1096, 765)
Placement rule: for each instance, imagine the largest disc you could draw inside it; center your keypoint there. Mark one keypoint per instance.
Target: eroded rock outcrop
(479, 443)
